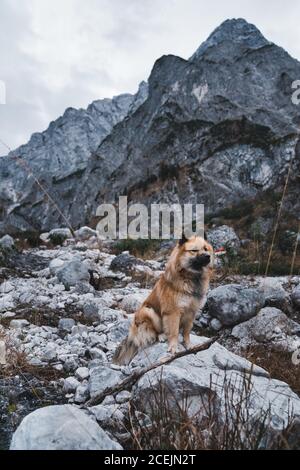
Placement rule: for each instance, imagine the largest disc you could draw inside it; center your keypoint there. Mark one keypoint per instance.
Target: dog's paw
(173, 349)
(162, 338)
(187, 344)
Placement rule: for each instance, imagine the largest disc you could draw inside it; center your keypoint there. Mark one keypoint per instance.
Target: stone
(59, 235)
(295, 296)
(234, 303)
(215, 324)
(66, 324)
(61, 427)
(73, 272)
(124, 262)
(270, 326)
(82, 373)
(6, 287)
(223, 237)
(84, 233)
(274, 293)
(50, 352)
(7, 243)
(55, 265)
(82, 394)
(102, 378)
(132, 302)
(18, 324)
(108, 415)
(123, 397)
(219, 374)
(70, 385)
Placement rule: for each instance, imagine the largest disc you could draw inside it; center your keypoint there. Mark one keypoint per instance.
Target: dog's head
(194, 254)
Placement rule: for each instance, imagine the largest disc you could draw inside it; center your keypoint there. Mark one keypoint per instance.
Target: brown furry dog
(174, 301)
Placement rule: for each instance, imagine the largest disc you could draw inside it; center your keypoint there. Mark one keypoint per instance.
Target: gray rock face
(61, 428)
(233, 303)
(219, 128)
(58, 157)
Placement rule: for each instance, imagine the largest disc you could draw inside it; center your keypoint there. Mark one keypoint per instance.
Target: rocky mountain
(218, 129)
(57, 157)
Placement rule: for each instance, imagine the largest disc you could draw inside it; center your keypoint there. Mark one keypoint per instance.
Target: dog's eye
(205, 248)
(193, 251)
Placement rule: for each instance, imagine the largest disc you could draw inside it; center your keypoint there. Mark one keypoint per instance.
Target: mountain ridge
(217, 128)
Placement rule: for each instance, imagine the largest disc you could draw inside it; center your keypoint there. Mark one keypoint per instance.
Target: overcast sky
(60, 53)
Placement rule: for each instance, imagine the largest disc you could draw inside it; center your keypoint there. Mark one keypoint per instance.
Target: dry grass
(17, 363)
(170, 425)
(279, 364)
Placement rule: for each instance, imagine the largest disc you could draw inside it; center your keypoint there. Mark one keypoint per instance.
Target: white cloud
(60, 53)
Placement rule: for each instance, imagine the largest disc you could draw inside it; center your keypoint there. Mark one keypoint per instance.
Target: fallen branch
(135, 376)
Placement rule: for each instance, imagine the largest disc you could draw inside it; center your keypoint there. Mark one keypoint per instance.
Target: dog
(174, 301)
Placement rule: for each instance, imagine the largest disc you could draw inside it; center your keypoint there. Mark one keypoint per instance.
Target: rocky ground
(65, 308)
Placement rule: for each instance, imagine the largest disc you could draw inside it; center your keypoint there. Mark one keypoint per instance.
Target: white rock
(123, 397)
(70, 385)
(18, 324)
(102, 378)
(82, 373)
(234, 303)
(195, 377)
(82, 394)
(7, 242)
(62, 427)
(215, 324)
(6, 287)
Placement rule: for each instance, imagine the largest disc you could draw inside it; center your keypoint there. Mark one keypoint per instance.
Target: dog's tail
(142, 333)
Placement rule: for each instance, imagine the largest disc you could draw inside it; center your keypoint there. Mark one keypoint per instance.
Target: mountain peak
(236, 35)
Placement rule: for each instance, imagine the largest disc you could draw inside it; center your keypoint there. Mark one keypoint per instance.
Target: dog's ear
(182, 240)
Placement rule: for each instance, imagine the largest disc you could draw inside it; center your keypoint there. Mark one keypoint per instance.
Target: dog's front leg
(171, 323)
(187, 325)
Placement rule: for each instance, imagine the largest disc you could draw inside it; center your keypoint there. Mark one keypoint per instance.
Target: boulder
(124, 262)
(70, 385)
(58, 235)
(274, 293)
(219, 380)
(73, 272)
(234, 303)
(84, 233)
(65, 325)
(62, 427)
(132, 302)
(102, 378)
(7, 243)
(223, 237)
(270, 326)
